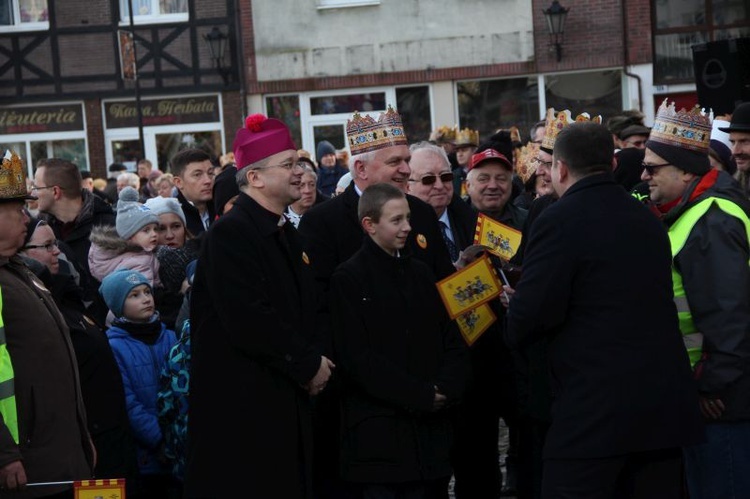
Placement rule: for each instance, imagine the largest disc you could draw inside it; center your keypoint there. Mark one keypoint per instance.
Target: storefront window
(127, 152)
(597, 92)
(414, 107)
(168, 144)
(286, 109)
(71, 150)
(489, 105)
(348, 103)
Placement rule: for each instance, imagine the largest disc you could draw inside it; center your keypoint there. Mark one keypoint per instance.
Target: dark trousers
(531, 434)
(475, 452)
(642, 475)
(429, 489)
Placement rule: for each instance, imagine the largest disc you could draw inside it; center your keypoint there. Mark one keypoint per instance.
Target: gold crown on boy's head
(687, 129)
(367, 135)
(13, 178)
(555, 124)
(467, 137)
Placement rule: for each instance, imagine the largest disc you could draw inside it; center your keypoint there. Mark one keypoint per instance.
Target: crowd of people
(265, 324)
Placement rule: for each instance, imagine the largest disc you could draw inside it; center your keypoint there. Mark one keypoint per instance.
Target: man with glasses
(194, 178)
(72, 212)
(254, 364)
(431, 181)
(708, 220)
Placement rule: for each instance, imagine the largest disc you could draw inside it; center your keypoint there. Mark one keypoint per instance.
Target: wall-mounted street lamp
(217, 46)
(555, 16)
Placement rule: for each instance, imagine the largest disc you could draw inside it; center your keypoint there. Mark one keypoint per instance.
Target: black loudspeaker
(722, 74)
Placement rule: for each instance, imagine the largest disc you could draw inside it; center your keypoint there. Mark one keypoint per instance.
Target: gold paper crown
(444, 134)
(556, 123)
(525, 161)
(367, 135)
(467, 137)
(13, 178)
(686, 129)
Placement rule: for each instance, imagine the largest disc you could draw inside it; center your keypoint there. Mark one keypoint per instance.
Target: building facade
(67, 86)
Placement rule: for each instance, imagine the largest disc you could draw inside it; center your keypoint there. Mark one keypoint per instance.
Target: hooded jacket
(110, 252)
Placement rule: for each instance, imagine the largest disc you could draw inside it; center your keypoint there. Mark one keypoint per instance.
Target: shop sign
(156, 112)
(41, 119)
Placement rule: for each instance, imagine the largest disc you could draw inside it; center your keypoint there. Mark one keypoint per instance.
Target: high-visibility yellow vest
(7, 386)
(678, 235)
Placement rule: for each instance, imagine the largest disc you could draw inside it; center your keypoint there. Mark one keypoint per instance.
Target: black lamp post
(217, 45)
(555, 16)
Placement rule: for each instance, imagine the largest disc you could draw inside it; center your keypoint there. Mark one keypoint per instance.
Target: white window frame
(337, 4)
(21, 26)
(150, 18)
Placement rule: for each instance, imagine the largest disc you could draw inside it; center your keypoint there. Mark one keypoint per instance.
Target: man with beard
(739, 137)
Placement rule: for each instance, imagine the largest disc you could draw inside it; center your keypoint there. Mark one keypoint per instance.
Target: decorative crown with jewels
(13, 178)
(555, 124)
(525, 161)
(467, 137)
(367, 135)
(686, 129)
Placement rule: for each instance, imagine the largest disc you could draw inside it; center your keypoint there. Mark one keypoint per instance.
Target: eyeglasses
(35, 188)
(287, 165)
(49, 246)
(538, 162)
(431, 179)
(651, 169)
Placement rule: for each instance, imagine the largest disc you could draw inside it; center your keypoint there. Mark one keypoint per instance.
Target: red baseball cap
(487, 155)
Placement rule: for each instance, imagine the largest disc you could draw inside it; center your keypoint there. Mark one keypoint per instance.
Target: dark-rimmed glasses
(430, 179)
(651, 169)
(538, 162)
(49, 246)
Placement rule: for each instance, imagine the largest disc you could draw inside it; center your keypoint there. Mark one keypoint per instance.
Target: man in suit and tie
(431, 181)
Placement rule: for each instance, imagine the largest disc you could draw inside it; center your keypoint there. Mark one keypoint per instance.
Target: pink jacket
(110, 252)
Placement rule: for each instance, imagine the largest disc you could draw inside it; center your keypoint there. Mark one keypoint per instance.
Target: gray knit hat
(160, 205)
(132, 216)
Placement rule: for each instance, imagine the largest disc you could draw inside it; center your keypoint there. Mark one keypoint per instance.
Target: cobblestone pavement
(502, 446)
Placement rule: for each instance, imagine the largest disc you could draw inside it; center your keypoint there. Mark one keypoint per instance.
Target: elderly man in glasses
(708, 218)
(431, 180)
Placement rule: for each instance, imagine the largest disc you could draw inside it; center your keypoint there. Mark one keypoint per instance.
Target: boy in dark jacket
(403, 360)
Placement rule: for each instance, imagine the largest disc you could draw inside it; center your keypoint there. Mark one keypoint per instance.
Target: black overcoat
(596, 280)
(252, 308)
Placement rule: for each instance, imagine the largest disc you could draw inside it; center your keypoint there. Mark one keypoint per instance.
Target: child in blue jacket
(140, 342)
